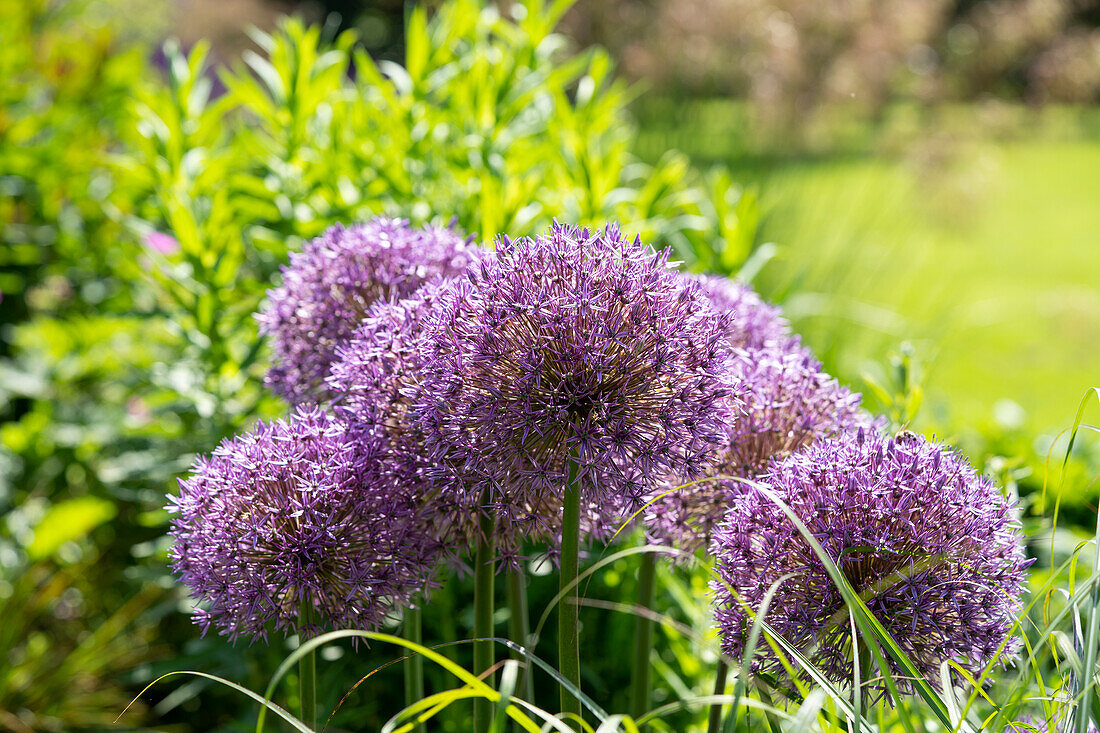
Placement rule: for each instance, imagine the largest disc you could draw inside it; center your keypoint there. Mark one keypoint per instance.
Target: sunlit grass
(985, 254)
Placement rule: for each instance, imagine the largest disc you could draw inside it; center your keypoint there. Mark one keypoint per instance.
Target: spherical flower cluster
(755, 323)
(789, 403)
(375, 370)
(575, 356)
(328, 287)
(374, 381)
(934, 549)
(295, 515)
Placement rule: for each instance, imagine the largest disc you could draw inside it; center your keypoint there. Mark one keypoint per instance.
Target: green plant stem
(1092, 633)
(769, 717)
(714, 719)
(861, 697)
(414, 663)
(484, 590)
(519, 628)
(643, 637)
(307, 671)
(569, 662)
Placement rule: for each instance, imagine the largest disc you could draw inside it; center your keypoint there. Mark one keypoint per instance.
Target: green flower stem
(569, 662)
(484, 588)
(866, 662)
(643, 637)
(714, 720)
(772, 722)
(519, 628)
(414, 663)
(307, 671)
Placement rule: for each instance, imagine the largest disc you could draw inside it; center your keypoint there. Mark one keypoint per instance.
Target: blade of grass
(708, 700)
(754, 640)
(809, 710)
(565, 684)
(425, 709)
(267, 704)
(1092, 628)
(462, 674)
(508, 678)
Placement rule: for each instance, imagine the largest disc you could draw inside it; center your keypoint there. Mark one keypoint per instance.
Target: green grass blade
(425, 708)
(809, 710)
(550, 722)
(753, 640)
(707, 701)
(508, 679)
(618, 724)
(484, 690)
(585, 700)
(1092, 625)
(267, 704)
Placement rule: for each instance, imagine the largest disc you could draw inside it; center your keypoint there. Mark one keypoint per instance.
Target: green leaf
(70, 520)
(416, 43)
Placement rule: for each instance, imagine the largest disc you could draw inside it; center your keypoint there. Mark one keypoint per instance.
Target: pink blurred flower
(166, 244)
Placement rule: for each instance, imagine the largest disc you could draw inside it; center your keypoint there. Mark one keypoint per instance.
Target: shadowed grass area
(984, 254)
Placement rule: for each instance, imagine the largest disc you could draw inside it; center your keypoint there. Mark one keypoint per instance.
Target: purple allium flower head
(297, 513)
(373, 382)
(328, 287)
(789, 403)
(935, 547)
(579, 349)
(756, 324)
(374, 371)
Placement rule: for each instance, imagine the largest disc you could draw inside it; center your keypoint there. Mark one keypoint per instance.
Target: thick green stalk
(714, 720)
(519, 628)
(643, 637)
(307, 671)
(414, 663)
(484, 591)
(569, 661)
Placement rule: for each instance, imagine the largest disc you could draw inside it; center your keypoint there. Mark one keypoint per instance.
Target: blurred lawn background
(928, 185)
(972, 232)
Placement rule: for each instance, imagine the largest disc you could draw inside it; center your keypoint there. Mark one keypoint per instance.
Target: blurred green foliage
(62, 104)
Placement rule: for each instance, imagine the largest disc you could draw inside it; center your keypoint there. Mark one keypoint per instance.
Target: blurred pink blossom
(166, 244)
